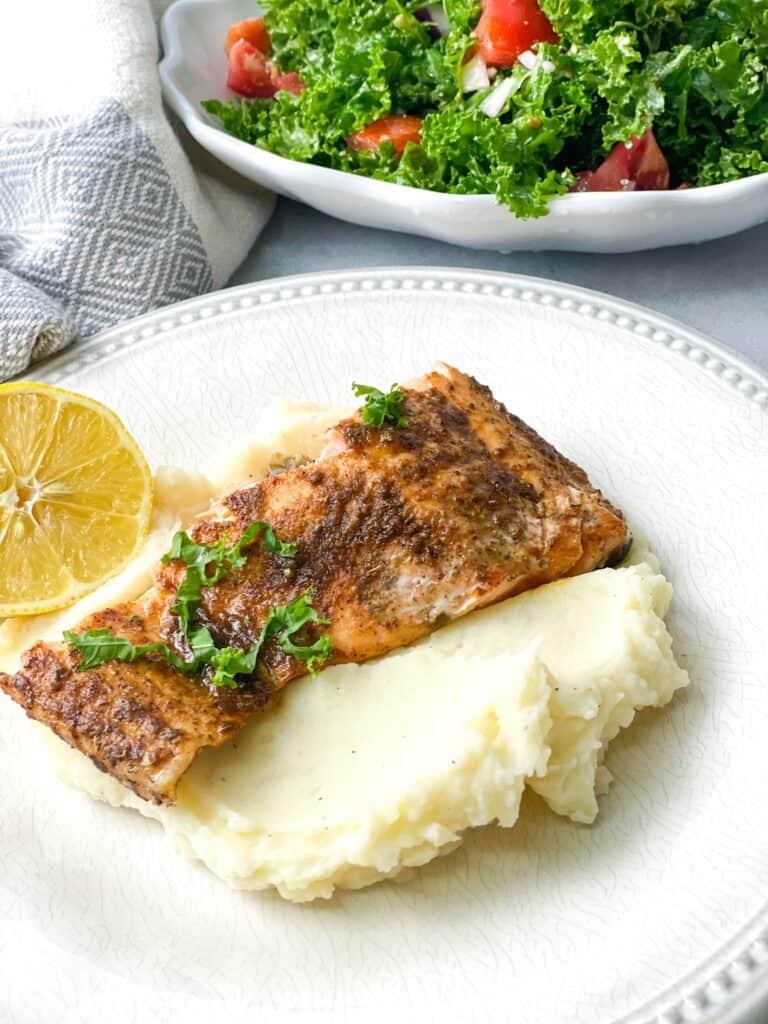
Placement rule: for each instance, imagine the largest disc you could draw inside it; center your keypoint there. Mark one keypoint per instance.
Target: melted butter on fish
(397, 756)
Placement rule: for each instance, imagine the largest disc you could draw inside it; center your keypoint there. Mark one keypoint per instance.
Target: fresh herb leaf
(314, 655)
(286, 549)
(198, 558)
(289, 618)
(379, 407)
(188, 596)
(97, 646)
(285, 621)
(229, 662)
(201, 645)
(462, 14)
(198, 555)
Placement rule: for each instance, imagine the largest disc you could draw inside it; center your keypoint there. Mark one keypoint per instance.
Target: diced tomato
(508, 28)
(250, 73)
(289, 81)
(253, 31)
(399, 129)
(638, 165)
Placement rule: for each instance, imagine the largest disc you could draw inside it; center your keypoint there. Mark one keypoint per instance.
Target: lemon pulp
(75, 497)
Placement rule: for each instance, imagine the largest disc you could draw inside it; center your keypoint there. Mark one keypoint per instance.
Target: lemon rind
(143, 517)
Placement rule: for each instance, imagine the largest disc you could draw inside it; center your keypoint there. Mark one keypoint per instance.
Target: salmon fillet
(398, 531)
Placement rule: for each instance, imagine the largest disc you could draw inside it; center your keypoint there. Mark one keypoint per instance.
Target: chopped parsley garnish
(200, 558)
(381, 408)
(285, 621)
(207, 565)
(282, 622)
(96, 646)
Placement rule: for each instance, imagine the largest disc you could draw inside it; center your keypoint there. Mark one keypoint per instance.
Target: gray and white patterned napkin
(103, 215)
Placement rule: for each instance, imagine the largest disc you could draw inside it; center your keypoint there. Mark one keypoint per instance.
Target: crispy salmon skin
(398, 530)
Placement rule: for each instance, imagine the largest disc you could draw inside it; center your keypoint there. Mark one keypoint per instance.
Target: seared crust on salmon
(142, 722)
(398, 531)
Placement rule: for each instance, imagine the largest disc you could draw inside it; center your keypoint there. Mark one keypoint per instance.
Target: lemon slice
(75, 497)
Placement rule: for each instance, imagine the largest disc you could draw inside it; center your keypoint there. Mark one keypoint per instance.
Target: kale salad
(521, 99)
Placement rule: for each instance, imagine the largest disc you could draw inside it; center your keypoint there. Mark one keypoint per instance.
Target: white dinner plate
(194, 68)
(657, 914)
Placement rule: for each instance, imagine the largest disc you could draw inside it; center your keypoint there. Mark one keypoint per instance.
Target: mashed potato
(369, 769)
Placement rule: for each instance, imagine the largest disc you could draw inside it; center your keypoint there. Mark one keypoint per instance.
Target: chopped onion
(529, 60)
(474, 75)
(436, 17)
(494, 102)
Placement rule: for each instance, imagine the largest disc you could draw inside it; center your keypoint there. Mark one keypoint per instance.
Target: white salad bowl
(194, 68)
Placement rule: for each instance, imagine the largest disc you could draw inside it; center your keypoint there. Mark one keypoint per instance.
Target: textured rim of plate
(733, 980)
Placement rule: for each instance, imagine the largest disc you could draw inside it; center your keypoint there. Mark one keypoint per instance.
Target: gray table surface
(720, 287)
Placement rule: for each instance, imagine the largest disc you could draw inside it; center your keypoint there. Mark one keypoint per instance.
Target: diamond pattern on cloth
(92, 232)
